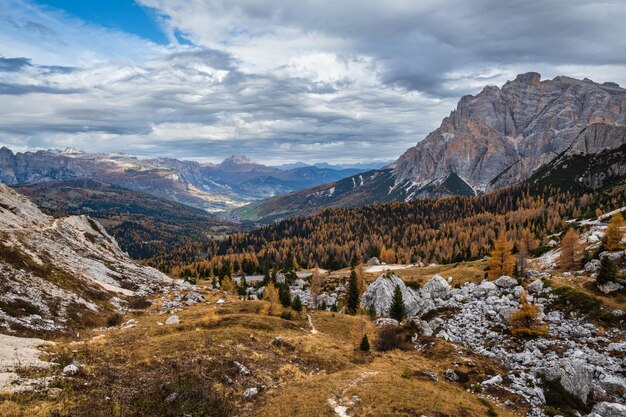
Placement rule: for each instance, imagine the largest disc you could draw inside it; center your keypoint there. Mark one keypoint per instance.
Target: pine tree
(525, 321)
(607, 271)
(614, 233)
(397, 310)
(296, 304)
(365, 344)
(352, 302)
(284, 295)
(502, 260)
(571, 251)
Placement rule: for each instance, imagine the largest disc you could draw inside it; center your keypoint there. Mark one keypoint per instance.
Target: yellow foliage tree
(614, 233)
(270, 294)
(525, 321)
(571, 251)
(228, 285)
(317, 285)
(502, 260)
(360, 280)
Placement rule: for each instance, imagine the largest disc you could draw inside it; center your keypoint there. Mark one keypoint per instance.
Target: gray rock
(592, 266)
(535, 287)
(71, 369)
(172, 320)
(610, 287)
(242, 369)
(576, 378)
(505, 282)
(250, 393)
(373, 261)
(492, 381)
(450, 375)
(436, 287)
(605, 409)
(386, 321)
(613, 256)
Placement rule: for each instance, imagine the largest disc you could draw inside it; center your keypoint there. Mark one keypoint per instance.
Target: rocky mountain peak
(502, 135)
(237, 160)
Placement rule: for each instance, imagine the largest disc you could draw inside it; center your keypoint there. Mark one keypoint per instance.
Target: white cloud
(307, 80)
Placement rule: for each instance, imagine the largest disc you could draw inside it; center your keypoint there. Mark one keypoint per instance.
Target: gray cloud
(310, 80)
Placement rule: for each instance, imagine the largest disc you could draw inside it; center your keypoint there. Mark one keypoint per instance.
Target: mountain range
(212, 187)
(496, 138)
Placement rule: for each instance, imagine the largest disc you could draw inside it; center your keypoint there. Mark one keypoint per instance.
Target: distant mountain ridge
(496, 138)
(213, 187)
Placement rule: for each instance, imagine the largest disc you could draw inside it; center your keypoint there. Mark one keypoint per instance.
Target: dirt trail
(313, 329)
(338, 404)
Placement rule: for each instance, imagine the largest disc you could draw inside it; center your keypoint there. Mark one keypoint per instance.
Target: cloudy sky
(278, 80)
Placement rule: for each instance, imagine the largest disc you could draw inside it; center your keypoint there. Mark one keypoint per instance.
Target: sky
(278, 80)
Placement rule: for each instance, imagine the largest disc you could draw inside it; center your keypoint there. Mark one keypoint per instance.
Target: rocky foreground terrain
(60, 274)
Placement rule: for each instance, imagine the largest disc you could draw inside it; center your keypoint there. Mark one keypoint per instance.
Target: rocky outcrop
(56, 272)
(379, 295)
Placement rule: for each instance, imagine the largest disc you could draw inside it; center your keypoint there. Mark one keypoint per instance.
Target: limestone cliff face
(502, 135)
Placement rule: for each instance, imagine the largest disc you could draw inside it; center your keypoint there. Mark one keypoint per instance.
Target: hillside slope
(142, 224)
(58, 274)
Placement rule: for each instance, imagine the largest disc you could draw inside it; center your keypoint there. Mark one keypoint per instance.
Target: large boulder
(592, 266)
(576, 378)
(608, 410)
(373, 261)
(380, 293)
(505, 282)
(437, 287)
(535, 287)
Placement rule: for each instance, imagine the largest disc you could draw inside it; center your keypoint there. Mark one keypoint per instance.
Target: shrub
(389, 338)
(115, 320)
(286, 315)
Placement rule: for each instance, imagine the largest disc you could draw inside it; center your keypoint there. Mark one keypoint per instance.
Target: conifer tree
(365, 344)
(352, 302)
(397, 310)
(607, 271)
(525, 321)
(614, 233)
(296, 304)
(284, 295)
(502, 260)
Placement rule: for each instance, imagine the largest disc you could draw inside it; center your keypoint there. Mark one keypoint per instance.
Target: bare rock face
(502, 135)
(56, 273)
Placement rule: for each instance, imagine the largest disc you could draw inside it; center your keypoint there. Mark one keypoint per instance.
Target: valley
(480, 274)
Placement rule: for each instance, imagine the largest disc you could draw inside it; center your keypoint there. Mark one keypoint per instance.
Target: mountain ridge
(496, 138)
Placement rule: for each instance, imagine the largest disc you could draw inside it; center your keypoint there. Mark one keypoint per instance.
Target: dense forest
(441, 230)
